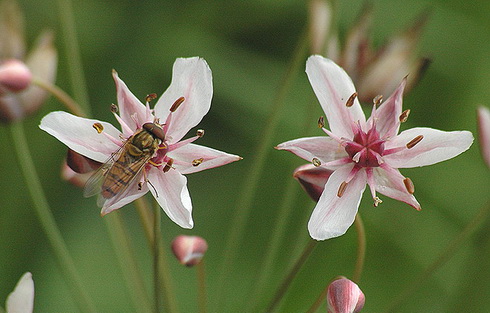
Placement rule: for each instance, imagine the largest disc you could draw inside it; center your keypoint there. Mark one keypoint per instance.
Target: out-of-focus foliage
(248, 45)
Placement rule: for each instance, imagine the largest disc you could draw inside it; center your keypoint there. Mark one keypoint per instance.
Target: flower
(484, 133)
(377, 72)
(189, 250)
(180, 108)
(364, 152)
(344, 296)
(312, 178)
(21, 300)
(18, 97)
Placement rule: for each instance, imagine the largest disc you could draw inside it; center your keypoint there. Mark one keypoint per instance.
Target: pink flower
(21, 300)
(484, 133)
(364, 152)
(344, 296)
(189, 250)
(179, 109)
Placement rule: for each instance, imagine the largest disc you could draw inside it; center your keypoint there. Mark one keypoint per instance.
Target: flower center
(365, 149)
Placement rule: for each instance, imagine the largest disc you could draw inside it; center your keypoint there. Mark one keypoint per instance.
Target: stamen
(350, 101)
(200, 133)
(168, 166)
(409, 185)
(377, 201)
(114, 108)
(321, 122)
(154, 163)
(150, 97)
(342, 188)
(378, 99)
(414, 141)
(98, 127)
(176, 104)
(404, 116)
(316, 162)
(196, 162)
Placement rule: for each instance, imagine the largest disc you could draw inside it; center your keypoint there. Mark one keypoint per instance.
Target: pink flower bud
(344, 296)
(189, 250)
(312, 179)
(484, 133)
(15, 76)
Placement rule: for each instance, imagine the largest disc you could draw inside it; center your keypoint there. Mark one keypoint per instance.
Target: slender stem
(361, 248)
(201, 283)
(292, 274)
(146, 219)
(316, 305)
(245, 199)
(446, 254)
(72, 51)
(47, 221)
(62, 96)
(127, 260)
(156, 256)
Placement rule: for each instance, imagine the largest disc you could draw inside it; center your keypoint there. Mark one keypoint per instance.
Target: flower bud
(344, 296)
(15, 76)
(484, 133)
(312, 179)
(77, 169)
(320, 15)
(22, 298)
(189, 250)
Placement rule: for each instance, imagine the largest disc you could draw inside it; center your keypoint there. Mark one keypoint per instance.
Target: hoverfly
(117, 174)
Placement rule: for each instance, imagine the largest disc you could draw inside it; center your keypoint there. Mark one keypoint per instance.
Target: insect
(115, 175)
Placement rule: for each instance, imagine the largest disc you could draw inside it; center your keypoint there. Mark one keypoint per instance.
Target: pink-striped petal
(435, 147)
(193, 158)
(390, 183)
(323, 148)
(484, 133)
(333, 215)
(191, 79)
(333, 87)
(170, 191)
(80, 135)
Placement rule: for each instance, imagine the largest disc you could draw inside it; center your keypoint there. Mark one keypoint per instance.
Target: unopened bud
(484, 133)
(79, 163)
(312, 179)
(15, 76)
(189, 250)
(344, 296)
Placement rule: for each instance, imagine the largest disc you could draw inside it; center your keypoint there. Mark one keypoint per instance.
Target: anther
(176, 104)
(168, 166)
(414, 141)
(316, 162)
(321, 122)
(342, 188)
(350, 101)
(150, 97)
(377, 201)
(200, 133)
(409, 185)
(98, 127)
(196, 162)
(114, 108)
(404, 116)
(378, 99)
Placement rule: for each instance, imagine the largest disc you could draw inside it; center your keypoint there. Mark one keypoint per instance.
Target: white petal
(333, 87)
(170, 190)
(323, 148)
(332, 215)
(79, 134)
(185, 155)
(21, 300)
(191, 79)
(391, 185)
(435, 147)
(131, 110)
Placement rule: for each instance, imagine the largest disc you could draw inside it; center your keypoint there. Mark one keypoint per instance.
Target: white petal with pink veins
(323, 148)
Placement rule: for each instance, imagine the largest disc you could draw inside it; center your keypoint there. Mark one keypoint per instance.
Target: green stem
(292, 274)
(361, 248)
(62, 96)
(47, 221)
(245, 199)
(446, 254)
(156, 256)
(316, 305)
(201, 282)
(127, 260)
(72, 51)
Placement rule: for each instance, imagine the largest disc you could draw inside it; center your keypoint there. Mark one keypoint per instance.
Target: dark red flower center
(365, 149)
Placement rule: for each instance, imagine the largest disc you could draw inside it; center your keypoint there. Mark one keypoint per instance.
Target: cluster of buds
(18, 97)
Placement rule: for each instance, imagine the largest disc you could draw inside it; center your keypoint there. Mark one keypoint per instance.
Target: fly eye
(155, 130)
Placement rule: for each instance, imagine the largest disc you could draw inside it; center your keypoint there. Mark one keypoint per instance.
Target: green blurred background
(248, 45)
